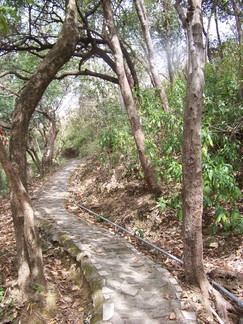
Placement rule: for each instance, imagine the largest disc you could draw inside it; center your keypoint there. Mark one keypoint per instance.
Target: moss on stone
(95, 283)
(87, 269)
(64, 239)
(45, 226)
(74, 250)
(98, 300)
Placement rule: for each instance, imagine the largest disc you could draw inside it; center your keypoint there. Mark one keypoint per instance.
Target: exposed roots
(215, 304)
(222, 273)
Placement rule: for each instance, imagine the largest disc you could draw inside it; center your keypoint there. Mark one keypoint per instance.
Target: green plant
(37, 288)
(1, 292)
(138, 231)
(4, 187)
(230, 220)
(221, 192)
(172, 201)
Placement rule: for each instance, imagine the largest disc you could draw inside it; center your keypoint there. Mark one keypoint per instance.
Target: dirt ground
(67, 299)
(124, 200)
(109, 192)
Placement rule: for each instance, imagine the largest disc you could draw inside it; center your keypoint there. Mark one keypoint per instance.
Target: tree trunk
(35, 158)
(207, 41)
(169, 61)
(126, 92)
(133, 82)
(221, 54)
(141, 11)
(25, 106)
(48, 155)
(29, 230)
(192, 164)
(239, 23)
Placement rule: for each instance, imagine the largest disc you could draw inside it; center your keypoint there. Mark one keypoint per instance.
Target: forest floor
(70, 302)
(124, 200)
(109, 192)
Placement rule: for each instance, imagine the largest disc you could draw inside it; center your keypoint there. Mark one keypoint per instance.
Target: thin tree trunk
(25, 106)
(169, 61)
(207, 43)
(221, 54)
(239, 22)
(134, 83)
(35, 158)
(238, 19)
(192, 163)
(141, 11)
(48, 155)
(126, 92)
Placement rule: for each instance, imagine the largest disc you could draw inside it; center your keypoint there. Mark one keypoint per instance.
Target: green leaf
(3, 24)
(207, 190)
(180, 215)
(220, 214)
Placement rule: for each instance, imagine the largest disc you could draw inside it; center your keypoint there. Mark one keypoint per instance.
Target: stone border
(126, 286)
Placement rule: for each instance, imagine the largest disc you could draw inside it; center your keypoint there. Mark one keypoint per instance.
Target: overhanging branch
(18, 75)
(9, 90)
(88, 73)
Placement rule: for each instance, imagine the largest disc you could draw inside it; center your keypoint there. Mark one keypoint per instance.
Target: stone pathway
(126, 286)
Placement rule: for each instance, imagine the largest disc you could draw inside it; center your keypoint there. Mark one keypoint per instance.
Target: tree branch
(181, 13)
(3, 124)
(18, 75)
(9, 90)
(88, 73)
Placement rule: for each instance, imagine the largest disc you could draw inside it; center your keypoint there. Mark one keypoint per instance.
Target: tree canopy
(168, 103)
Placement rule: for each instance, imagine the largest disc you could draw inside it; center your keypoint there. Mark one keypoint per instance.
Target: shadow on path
(126, 286)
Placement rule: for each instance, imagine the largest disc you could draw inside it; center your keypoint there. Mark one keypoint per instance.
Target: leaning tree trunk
(142, 15)
(29, 229)
(126, 92)
(25, 106)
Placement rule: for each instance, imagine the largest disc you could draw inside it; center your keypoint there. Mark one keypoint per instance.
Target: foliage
(220, 152)
(116, 139)
(163, 132)
(94, 127)
(6, 305)
(4, 188)
(138, 231)
(100, 125)
(6, 15)
(1, 292)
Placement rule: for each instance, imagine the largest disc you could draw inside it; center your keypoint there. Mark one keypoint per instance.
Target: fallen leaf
(184, 295)
(172, 316)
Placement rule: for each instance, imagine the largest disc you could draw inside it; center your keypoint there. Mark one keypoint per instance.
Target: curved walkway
(126, 286)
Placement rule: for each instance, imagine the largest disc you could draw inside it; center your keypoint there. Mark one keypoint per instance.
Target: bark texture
(126, 92)
(238, 7)
(192, 164)
(26, 103)
(30, 232)
(49, 139)
(142, 14)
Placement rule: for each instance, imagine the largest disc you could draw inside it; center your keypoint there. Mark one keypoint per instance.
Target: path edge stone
(88, 270)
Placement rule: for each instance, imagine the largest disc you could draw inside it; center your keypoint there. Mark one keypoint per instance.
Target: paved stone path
(126, 286)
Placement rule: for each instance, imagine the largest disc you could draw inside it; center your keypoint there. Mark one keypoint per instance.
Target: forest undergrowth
(125, 201)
